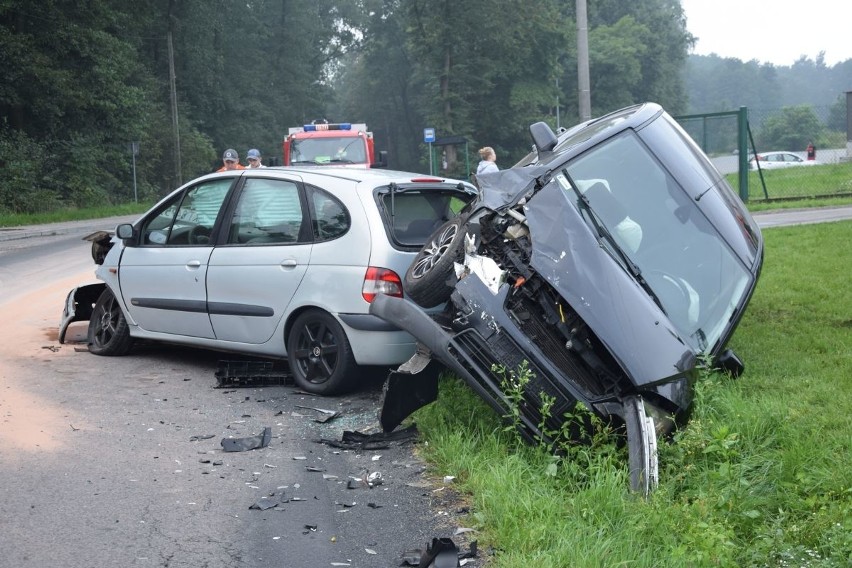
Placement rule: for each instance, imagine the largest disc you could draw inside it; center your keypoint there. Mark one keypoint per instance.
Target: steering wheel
(199, 235)
(674, 294)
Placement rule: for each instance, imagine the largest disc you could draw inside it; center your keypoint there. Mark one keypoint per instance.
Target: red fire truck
(340, 144)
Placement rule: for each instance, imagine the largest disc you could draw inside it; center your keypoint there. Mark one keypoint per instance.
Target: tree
(791, 129)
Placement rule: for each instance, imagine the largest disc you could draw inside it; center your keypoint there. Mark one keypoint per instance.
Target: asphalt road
(117, 461)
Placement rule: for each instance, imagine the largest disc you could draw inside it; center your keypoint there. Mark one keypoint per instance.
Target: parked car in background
(606, 267)
(278, 262)
(775, 160)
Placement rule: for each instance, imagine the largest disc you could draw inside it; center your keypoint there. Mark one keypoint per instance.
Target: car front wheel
(319, 354)
(641, 446)
(429, 279)
(108, 330)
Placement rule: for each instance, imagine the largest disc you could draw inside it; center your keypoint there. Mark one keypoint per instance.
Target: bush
(25, 186)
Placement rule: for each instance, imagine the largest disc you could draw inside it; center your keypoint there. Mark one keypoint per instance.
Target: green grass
(15, 220)
(760, 476)
(829, 180)
(754, 206)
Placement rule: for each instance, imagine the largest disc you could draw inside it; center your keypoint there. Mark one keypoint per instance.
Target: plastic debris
(263, 504)
(327, 415)
(374, 478)
(268, 502)
(250, 374)
(251, 443)
(442, 553)
(201, 437)
(382, 440)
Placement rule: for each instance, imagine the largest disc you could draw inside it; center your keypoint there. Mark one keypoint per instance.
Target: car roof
(775, 153)
(376, 175)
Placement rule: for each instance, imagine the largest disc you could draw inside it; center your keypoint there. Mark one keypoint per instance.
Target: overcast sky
(771, 31)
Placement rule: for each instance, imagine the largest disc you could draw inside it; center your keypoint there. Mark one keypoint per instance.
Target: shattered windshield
(337, 150)
(695, 277)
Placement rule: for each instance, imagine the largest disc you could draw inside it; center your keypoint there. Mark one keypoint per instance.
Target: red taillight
(381, 281)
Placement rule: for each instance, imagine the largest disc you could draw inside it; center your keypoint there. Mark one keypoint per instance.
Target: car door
(163, 276)
(252, 277)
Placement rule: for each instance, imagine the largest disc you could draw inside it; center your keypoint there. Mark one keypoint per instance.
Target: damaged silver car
(272, 263)
(611, 262)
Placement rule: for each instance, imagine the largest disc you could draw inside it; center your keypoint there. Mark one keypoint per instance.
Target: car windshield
(659, 230)
(337, 150)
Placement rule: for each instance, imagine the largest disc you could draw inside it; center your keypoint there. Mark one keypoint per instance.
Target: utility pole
(173, 92)
(583, 62)
(134, 150)
(557, 103)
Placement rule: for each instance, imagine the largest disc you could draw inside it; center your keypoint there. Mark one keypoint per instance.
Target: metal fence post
(742, 150)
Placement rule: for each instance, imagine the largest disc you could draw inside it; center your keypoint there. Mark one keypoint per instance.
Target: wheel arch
(294, 315)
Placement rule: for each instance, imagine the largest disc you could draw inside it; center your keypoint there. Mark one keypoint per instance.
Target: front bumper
(482, 361)
(78, 306)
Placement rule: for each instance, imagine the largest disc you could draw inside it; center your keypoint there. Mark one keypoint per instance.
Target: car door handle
(193, 264)
(289, 263)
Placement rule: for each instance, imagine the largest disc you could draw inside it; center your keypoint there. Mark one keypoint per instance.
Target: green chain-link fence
(788, 131)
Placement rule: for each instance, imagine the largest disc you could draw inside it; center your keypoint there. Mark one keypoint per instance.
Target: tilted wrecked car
(611, 263)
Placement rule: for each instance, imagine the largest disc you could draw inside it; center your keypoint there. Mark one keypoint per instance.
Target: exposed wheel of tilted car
(428, 281)
(641, 446)
(108, 331)
(319, 353)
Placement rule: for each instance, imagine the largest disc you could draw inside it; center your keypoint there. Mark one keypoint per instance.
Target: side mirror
(383, 160)
(543, 137)
(729, 362)
(124, 231)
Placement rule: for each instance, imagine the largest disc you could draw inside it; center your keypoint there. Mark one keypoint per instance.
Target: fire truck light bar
(318, 127)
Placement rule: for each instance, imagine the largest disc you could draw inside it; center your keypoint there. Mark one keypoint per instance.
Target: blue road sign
(428, 135)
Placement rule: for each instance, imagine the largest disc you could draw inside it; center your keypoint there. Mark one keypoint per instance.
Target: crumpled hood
(507, 187)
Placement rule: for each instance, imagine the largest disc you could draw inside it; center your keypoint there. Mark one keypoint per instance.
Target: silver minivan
(273, 262)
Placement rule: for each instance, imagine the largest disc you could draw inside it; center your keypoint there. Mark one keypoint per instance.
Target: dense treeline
(715, 83)
(789, 106)
(84, 79)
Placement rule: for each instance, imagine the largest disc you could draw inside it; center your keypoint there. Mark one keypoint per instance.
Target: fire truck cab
(340, 144)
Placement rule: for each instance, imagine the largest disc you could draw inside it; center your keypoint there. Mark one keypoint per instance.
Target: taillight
(381, 281)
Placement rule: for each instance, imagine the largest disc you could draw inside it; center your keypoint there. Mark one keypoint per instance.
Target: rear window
(412, 215)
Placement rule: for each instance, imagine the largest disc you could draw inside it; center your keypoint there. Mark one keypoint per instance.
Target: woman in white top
(488, 161)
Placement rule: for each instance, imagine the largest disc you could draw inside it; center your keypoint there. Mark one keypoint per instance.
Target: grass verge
(826, 181)
(761, 475)
(16, 220)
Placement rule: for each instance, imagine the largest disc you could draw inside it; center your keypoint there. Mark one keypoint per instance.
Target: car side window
(188, 218)
(331, 219)
(267, 212)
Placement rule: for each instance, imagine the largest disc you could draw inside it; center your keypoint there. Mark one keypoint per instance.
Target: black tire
(319, 354)
(641, 447)
(430, 279)
(108, 330)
